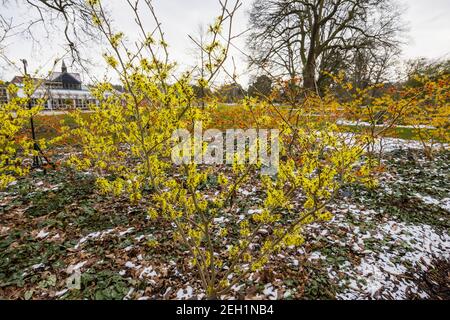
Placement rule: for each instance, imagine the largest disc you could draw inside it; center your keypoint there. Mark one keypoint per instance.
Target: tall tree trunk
(309, 76)
(309, 71)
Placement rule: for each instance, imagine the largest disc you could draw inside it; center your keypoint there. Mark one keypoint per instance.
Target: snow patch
(72, 268)
(185, 294)
(270, 292)
(42, 234)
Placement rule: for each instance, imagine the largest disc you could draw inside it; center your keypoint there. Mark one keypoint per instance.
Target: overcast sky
(429, 32)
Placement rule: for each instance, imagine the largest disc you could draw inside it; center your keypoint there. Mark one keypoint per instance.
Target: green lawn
(48, 126)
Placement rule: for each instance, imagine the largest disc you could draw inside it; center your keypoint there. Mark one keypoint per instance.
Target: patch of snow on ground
(92, 236)
(185, 294)
(100, 235)
(253, 211)
(382, 274)
(269, 292)
(42, 234)
(445, 204)
(61, 293)
(316, 256)
(72, 268)
(130, 265)
(37, 266)
(391, 144)
(220, 220)
(140, 238)
(148, 272)
(130, 230)
(428, 199)
(343, 122)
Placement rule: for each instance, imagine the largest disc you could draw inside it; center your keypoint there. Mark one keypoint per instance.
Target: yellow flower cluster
(15, 142)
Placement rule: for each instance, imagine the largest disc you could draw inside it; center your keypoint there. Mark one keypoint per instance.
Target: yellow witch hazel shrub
(374, 110)
(16, 144)
(225, 243)
(129, 142)
(128, 133)
(430, 115)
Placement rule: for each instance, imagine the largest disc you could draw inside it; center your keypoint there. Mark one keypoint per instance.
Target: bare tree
(321, 35)
(5, 29)
(209, 52)
(278, 52)
(72, 18)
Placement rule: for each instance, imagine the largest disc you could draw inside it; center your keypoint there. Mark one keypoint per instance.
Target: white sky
(429, 33)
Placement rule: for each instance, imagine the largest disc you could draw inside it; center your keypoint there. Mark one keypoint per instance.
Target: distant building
(62, 90)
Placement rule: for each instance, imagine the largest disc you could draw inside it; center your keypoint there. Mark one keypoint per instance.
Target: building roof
(55, 76)
(19, 80)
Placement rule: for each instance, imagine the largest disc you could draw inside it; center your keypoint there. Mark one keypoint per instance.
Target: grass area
(48, 126)
(400, 133)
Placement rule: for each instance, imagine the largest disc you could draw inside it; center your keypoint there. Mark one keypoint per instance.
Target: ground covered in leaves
(388, 243)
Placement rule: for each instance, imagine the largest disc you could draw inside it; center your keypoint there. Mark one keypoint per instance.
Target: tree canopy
(305, 38)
